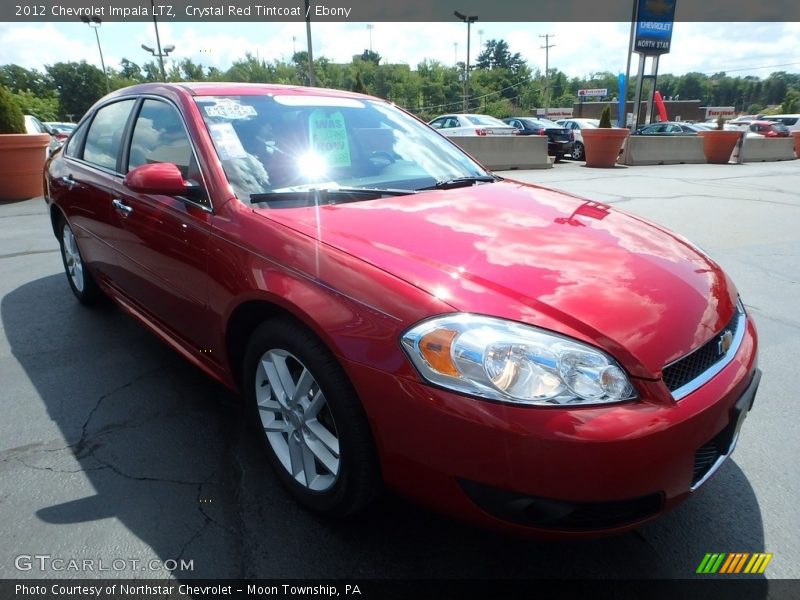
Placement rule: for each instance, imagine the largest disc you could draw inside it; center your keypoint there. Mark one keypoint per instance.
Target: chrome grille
(680, 375)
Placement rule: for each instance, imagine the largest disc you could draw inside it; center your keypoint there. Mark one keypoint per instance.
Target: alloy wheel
(72, 258)
(297, 420)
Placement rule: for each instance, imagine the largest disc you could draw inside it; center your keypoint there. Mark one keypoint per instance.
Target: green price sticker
(329, 137)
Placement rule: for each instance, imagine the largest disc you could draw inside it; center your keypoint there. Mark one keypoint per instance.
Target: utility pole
(546, 47)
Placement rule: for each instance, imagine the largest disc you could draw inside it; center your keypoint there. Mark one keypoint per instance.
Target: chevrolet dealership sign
(654, 19)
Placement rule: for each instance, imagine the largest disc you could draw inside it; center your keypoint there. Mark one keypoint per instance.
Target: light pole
(469, 20)
(370, 27)
(161, 54)
(312, 79)
(94, 23)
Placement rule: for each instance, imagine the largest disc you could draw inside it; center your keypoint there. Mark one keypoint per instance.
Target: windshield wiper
(328, 194)
(447, 184)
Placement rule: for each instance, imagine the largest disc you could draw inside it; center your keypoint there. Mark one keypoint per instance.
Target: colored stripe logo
(728, 563)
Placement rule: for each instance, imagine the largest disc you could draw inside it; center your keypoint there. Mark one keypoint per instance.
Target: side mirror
(157, 178)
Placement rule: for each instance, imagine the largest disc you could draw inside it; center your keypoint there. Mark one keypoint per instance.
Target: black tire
(357, 480)
(577, 152)
(79, 278)
(559, 158)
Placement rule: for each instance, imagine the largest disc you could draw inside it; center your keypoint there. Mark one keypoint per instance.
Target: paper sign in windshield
(329, 137)
(229, 109)
(226, 141)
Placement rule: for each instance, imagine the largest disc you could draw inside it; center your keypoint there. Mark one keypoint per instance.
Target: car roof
(208, 88)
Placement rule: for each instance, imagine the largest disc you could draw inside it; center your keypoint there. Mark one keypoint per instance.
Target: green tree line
(501, 83)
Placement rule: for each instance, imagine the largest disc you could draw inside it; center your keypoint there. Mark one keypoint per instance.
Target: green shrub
(605, 118)
(11, 118)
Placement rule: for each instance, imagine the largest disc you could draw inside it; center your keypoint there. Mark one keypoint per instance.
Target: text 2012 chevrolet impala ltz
(394, 314)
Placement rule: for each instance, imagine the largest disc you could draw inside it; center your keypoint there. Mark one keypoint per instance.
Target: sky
(579, 49)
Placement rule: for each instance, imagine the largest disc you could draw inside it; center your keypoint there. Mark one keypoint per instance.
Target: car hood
(541, 257)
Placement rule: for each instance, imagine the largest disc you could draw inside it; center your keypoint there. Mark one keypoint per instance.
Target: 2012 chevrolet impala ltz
(394, 314)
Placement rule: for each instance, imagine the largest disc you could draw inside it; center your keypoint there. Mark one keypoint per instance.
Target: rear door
(85, 177)
(163, 240)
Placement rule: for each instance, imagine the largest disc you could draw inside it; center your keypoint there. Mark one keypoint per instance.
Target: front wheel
(577, 151)
(80, 279)
(309, 419)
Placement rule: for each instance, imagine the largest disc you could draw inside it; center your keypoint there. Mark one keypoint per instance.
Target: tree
(498, 56)
(693, 86)
(250, 69)
(191, 71)
(45, 108)
(791, 102)
(370, 56)
(18, 79)
(130, 70)
(79, 86)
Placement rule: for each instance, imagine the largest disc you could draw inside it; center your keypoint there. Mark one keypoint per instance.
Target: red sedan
(392, 313)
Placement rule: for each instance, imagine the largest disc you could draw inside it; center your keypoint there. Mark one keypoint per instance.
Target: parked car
(668, 128)
(559, 139)
(792, 122)
(34, 125)
(770, 129)
(458, 125)
(391, 312)
(575, 125)
(61, 130)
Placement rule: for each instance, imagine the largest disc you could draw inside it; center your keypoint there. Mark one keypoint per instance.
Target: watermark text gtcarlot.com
(44, 563)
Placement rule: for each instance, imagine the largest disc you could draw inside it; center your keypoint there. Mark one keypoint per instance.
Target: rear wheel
(80, 279)
(309, 419)
(577, 151)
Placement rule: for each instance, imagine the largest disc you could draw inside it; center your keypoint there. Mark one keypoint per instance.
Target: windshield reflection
(273, 144)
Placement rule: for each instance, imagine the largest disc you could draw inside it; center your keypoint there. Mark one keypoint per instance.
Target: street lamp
(370, 27)
(469, 20)
(161, 54)
(94, 23)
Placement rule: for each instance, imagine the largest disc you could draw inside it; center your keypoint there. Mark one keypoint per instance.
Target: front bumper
(633, 460)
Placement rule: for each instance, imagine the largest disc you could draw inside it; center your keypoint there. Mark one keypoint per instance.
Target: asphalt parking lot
(114, 448)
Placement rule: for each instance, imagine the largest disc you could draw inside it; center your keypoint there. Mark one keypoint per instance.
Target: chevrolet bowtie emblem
(724, 343)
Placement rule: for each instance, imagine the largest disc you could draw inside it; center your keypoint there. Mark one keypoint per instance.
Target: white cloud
(580, 48)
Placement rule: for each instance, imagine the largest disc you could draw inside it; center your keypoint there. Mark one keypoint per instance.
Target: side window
(75, 141)
(437, 123)
(104, 137)
(160, 137)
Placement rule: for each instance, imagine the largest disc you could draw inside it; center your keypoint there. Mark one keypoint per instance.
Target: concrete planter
(767, 149)
(663, 150)
(718, 145)
(602, 145)
(22, 157)
(503, 152)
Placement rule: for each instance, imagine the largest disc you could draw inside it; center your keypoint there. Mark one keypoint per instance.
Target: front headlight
(511, 362)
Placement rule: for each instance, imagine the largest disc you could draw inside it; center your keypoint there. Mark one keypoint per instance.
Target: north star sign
(654, 26)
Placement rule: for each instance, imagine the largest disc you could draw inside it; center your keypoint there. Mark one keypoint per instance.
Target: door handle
(123, 208)
(69, 181)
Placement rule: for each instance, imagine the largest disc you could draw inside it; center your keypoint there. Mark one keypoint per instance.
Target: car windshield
(271, 145)
(485, 120)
